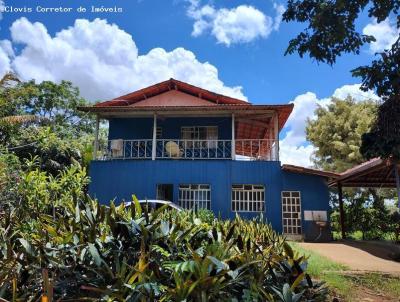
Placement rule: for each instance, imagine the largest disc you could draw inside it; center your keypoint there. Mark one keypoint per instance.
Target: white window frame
(291, 205)
(192, 133)
(195, 196)
(248, 198)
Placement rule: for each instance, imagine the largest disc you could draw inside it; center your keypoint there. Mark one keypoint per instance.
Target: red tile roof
(177, 96)
(171, 84)
(310, 171)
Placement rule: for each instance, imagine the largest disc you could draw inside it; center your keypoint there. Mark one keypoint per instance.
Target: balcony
(244, 149)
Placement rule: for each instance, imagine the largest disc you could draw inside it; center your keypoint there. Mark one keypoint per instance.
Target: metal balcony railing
(245, 149)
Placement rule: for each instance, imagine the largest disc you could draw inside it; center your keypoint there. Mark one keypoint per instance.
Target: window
(194, 197)
(158, 132)
(248, 198)
(291, 212)
(202, 133)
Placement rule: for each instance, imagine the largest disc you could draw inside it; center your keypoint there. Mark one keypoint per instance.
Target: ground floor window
(195, 196)
(248, 198)
(291, 212)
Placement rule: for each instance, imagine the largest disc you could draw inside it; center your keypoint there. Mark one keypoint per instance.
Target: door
(291, 212)
(165, 192)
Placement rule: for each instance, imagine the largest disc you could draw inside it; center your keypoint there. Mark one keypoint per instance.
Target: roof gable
(173, 98)
(170, 85)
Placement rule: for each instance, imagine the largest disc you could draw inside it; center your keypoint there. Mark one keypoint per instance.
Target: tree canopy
(384, 138)
(332, 31)
(337, 131)
(42, 121)
(52, 104)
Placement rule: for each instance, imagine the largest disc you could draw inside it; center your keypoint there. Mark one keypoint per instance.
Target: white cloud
(296, 155)
(1, 9)
(384, 32)
(6, 54)
(279, 9)
(354, 91)
(295, 149)
(103, 60)
(241, 24)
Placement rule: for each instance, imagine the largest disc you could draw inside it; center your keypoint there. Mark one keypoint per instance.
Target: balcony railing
(245, 149)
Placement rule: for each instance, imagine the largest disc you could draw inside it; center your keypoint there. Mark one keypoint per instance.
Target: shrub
(77, 249)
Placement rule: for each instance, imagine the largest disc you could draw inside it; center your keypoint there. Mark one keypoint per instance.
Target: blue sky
(152, 40)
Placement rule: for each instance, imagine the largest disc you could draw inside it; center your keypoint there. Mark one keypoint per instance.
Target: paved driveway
(359, 256)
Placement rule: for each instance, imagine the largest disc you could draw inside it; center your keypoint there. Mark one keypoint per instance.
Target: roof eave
(309, 171)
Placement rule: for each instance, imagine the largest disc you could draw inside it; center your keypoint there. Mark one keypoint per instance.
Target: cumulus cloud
(241, 24)
(104, 61)
(295, 149)
(385, 33)
(6, 53)
(1, 9)
(354, 91)
(279, 9)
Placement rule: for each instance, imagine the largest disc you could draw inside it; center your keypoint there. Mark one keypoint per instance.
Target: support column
(341, 210)
(96, 138)
(154, 149)
(233, 143)
(276, 136)
(396, 174)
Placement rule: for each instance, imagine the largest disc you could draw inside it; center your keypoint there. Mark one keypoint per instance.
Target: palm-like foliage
(6, 81)
(72, 248)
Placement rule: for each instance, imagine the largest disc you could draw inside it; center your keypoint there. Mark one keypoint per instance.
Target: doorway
(165, 192)
(291, 212)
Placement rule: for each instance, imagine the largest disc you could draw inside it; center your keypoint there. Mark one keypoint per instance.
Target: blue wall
(119, 179)
(142, 128)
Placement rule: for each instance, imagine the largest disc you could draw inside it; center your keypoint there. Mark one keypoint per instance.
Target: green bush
(75, 249)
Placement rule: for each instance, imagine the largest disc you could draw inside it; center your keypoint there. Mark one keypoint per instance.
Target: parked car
(156, 203)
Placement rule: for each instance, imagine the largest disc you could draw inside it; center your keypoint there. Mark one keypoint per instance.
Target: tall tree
(332, 31)
(337, 131)
(42, 120)
(53, 104)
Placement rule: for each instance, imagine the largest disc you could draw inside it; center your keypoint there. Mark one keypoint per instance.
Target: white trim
(276, 135)
(245, 199)
(233, 145)
(153, 149)
(291, 208)
(96, 138)
(195, 196)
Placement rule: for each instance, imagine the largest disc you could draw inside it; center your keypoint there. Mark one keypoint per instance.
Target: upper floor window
(199, 133)
(158, 132)
(248, 198)
(206, 136)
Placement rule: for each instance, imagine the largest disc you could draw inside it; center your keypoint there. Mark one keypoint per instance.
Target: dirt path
(358, 257)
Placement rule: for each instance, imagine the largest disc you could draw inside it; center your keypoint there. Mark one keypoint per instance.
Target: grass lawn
(344, 284)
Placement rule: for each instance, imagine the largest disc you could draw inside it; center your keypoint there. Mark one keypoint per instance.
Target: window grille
(194, 197)
(248, 198)
(291, 212)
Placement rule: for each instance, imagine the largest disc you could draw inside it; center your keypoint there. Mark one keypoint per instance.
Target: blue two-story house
(177, 142)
